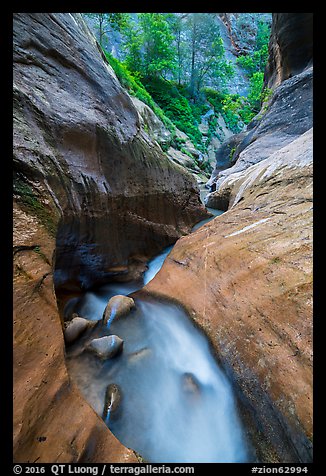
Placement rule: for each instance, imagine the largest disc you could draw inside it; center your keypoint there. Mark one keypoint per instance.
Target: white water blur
(157, 416)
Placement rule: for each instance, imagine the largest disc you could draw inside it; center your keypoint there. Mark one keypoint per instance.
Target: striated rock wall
(288, 114)
(52, 422)
(290, 47)
(94, 197)
(242, 29)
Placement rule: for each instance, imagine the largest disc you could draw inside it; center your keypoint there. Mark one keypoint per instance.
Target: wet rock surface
(74, 328)
(90, 184)
(250, 275)
(190, 385)
(44, 426)
(112, 399)
(288, 115)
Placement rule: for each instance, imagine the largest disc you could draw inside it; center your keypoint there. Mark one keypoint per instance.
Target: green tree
(177, 27)
(256, 61)
(104, 22)
(256, 89)
(133, 44)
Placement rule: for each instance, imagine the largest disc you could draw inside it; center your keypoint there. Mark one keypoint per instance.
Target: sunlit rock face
(246, 277)
(77, 134)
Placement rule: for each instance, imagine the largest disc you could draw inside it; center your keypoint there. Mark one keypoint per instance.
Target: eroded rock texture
(289, 111)
(246, 277)
(77, 134)
(89, 183)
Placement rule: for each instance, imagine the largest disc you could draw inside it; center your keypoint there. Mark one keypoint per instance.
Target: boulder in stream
(112, 399)
(117, 307)
(106, 347)
(74, 328)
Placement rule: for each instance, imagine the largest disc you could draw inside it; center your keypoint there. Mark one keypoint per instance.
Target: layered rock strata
(290, 48)
(287, 116)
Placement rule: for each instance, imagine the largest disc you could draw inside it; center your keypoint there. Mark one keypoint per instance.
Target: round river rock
(106, 347)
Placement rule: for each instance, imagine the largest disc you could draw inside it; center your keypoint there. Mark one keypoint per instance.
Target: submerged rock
(85, 171)
(249, 284)
(117, 307)
(112, 399)
(75, 327)
(106, 347)
(43, 390)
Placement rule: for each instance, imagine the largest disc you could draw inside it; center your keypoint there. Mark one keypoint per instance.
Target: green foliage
(232, 153)
(178, 142)
(105, 22)
(198, 109)
(206, 51)
(255, 62)
(170, 58)
(266, 94)
(263, 35)
(215, 98)
(159, 55)
(118, 21)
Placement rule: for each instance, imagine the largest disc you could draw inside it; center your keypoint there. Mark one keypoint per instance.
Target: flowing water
(176, 403)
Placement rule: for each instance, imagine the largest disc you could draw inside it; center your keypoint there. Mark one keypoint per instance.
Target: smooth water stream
(176, 403)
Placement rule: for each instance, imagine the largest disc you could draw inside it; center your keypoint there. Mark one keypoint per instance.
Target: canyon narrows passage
(177, 405)
(107, 161)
